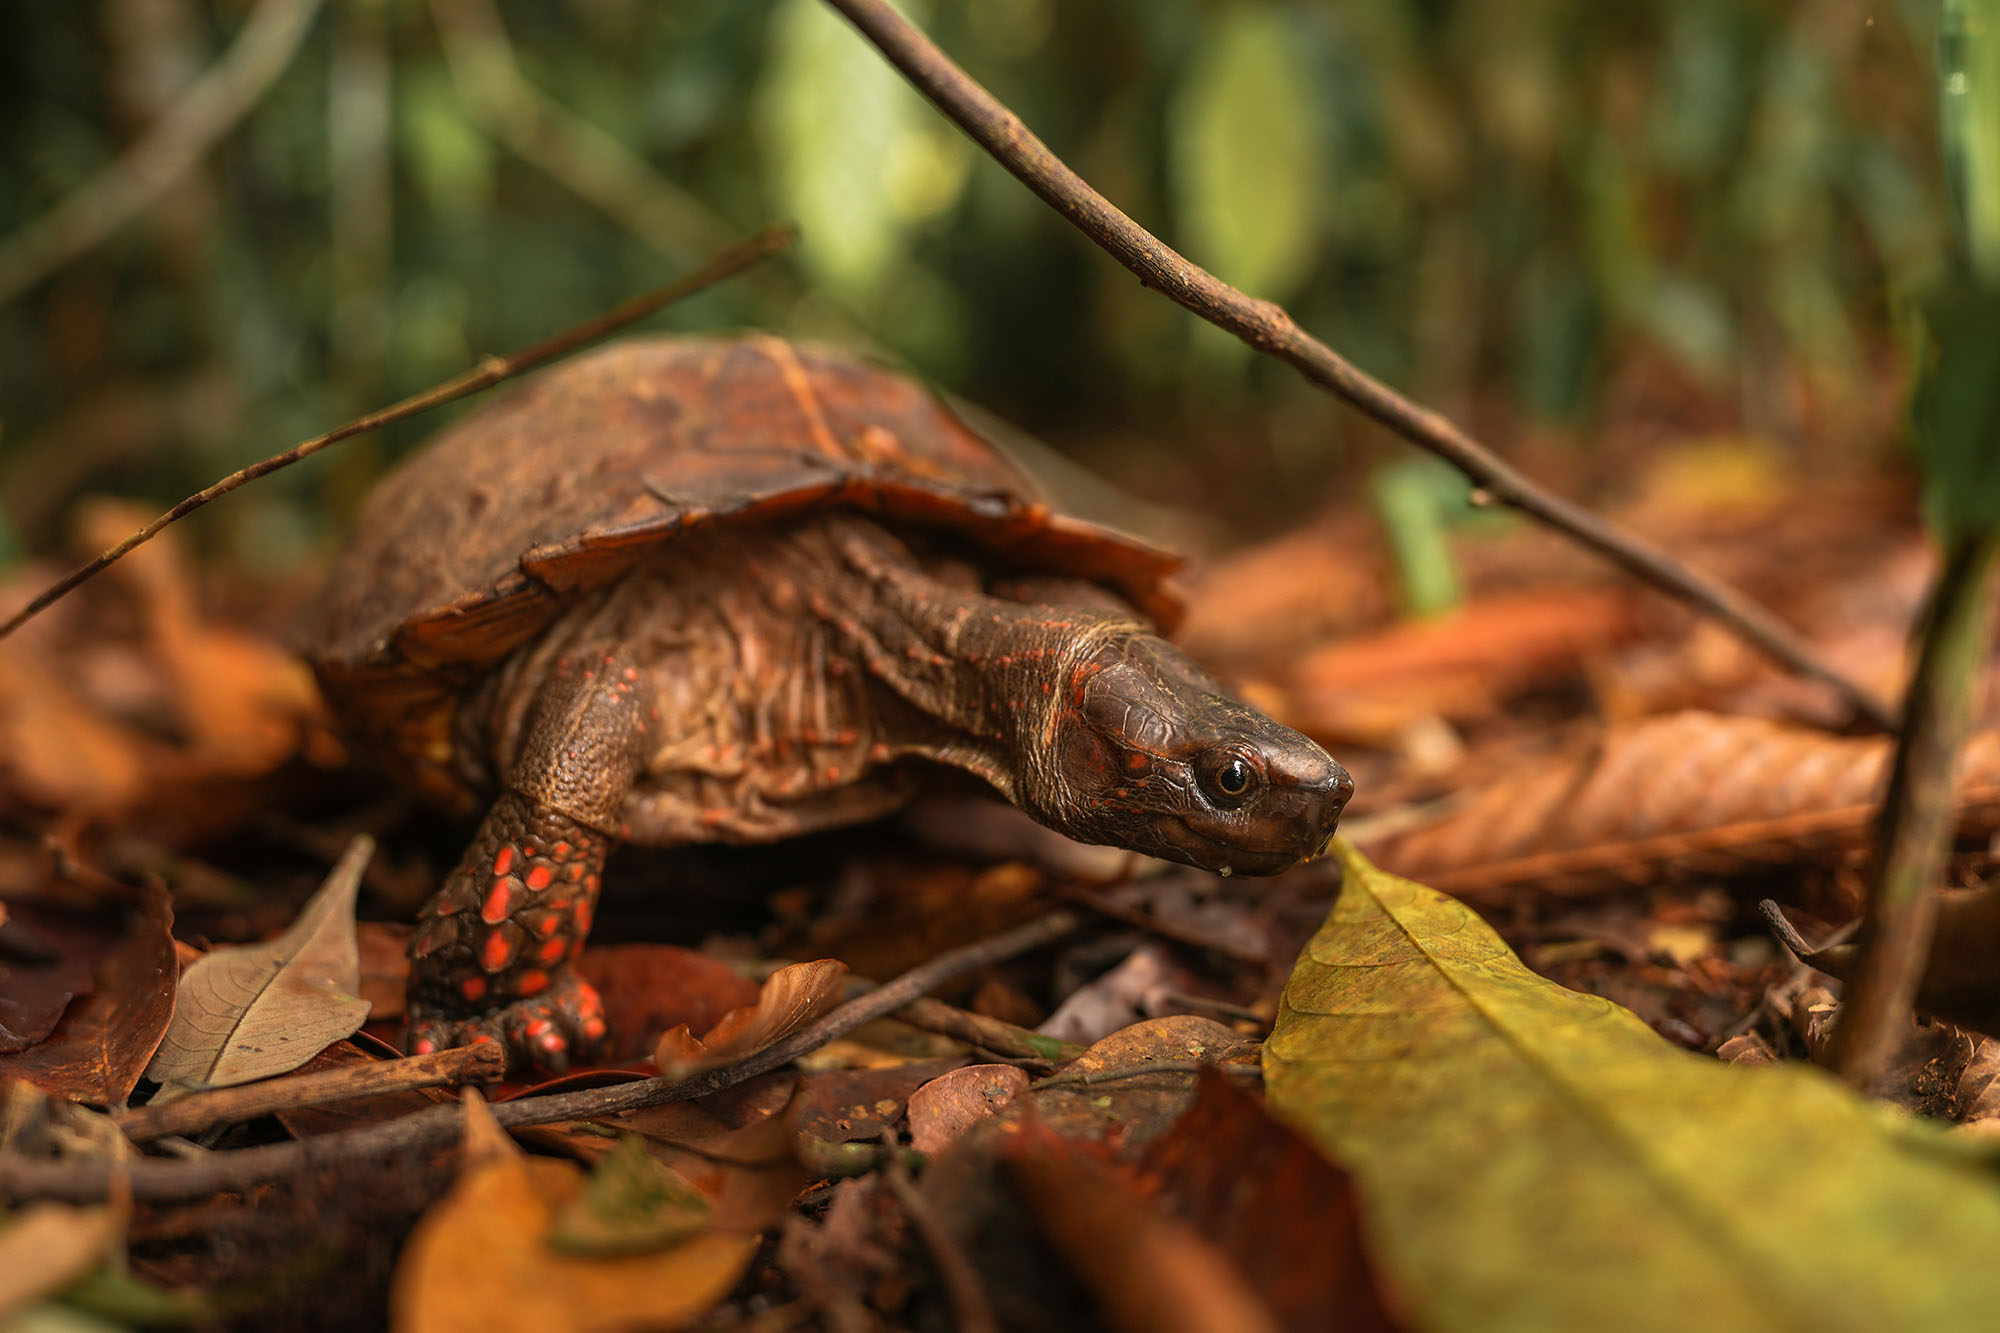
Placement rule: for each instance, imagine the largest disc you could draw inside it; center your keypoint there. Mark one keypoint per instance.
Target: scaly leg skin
(491, 957)
(490, 960)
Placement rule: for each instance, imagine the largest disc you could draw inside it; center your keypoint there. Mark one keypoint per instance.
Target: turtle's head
(1141, 749)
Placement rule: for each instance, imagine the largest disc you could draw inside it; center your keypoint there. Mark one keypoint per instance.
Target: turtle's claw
(544, 1033)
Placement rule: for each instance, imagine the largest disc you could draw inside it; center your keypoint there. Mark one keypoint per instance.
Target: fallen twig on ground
(227, 1106)
(24, 1178)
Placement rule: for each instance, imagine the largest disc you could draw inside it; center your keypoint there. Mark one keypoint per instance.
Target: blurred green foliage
(1955, 410)
(1481, 203)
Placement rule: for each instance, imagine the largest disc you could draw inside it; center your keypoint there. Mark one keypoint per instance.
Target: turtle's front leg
(491, 957)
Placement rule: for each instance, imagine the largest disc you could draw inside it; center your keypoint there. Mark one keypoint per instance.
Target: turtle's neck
(971, 680)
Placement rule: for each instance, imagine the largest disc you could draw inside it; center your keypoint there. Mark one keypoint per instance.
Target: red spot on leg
(582, 918)
(504, 861)
(424, 1047)
(560, 851)
(473, 989)
(539, 878)
(496, 952)
(575, 871)
(546, 924)
(553, 951)
(494, 910)
(532, 983)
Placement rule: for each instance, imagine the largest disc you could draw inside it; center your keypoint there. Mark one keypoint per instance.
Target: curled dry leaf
(264, 1009)
(480, 1260)
(1531, 1157)
(104, 1039)
(1690, 792)
(792, 997)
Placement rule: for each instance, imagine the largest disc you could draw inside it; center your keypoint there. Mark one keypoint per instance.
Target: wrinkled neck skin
(977, 676)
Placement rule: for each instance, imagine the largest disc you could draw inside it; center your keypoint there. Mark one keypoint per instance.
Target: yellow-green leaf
(1533, 1158)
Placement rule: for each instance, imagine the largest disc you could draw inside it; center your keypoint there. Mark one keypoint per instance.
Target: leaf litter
(1612, 784)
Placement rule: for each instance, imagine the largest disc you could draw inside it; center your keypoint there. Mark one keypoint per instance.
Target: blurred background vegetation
(1549, 218)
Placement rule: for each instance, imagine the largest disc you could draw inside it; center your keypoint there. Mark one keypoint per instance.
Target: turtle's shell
(481, 539)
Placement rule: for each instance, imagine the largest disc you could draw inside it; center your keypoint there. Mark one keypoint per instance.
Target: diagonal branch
(487, 373)
(216, 102)
(1267, 327)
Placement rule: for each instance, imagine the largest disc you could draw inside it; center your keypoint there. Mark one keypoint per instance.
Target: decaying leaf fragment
(1535, 1158)
(792, 997)
(480, 1260)
(263, 1009)
(106, 1036)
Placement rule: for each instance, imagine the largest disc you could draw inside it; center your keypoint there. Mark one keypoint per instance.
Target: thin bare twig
(23, 1178)
(203, 1111)
(987, 1033)
(1267, 327)
(487, 373)
(216, 101)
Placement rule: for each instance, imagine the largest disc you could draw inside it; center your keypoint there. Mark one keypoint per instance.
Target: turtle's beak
(1309, 789)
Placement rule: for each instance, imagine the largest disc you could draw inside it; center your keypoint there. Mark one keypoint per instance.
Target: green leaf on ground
(1535, 1158)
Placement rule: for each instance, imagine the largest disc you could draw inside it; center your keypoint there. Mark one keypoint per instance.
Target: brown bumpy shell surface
(477, 542)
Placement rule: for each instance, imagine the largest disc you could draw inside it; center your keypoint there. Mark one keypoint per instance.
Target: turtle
(731, 589)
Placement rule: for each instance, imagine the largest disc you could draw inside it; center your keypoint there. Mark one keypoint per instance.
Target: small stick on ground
(245, 1168)
(987, 1033)
(204, 1111)
(487, 373)
(1268, 328)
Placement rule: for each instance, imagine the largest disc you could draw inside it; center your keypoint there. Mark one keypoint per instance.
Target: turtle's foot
(542, 1033)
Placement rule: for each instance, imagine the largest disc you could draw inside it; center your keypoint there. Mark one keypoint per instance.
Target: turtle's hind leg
(491, 959)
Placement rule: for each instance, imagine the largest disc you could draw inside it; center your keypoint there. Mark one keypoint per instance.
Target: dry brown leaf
(1150, 1274)
(104, 1039)
(1115, 1103)
(1287, 1218)
(792, 997)
(479, 1261)
(953, 1103)
(264, 1009)
(1686, 793)
(1460, 665)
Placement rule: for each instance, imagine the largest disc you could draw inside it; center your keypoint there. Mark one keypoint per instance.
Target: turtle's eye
(1230, 778)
